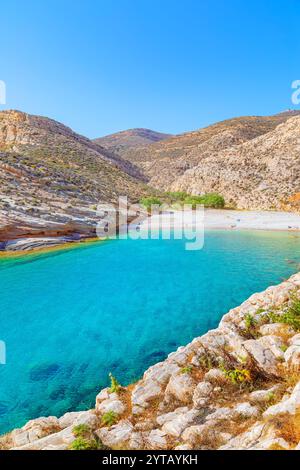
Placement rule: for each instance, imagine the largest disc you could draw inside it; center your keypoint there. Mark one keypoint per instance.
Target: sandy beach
(227, 220)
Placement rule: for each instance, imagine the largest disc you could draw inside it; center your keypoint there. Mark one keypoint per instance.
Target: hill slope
(51, 176)
(198, 161)
(263, 173)
(125, 141)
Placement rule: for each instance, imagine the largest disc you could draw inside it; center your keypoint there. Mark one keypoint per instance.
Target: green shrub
(81, 430)
(250, 321)
(186, 370)
(109, 418)
(214, 200)
(291, 316)
(147, 202)
(177, 195)
(82, 443)
(193, 201)
(237, 376)
(114, 384)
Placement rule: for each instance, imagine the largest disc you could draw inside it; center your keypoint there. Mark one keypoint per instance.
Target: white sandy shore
(211, 219)
(227, 219)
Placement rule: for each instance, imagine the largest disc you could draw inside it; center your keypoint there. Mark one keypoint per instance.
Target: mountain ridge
(124, 141)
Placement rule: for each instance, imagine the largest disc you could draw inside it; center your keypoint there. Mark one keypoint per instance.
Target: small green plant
(186, 370)
(81, 443)
(114, 384)
(81, 430)
(283, 347)
(250, 321)
(290, 316)
(85, 438)
(237, 376)
(109, 418)
(271, 397)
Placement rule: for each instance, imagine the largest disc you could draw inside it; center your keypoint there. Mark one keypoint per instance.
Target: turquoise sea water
(68, 318)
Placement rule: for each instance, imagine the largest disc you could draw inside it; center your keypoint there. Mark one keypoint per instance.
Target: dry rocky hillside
(52, 178)
(251, 161)
(125, 141)
(236, 387)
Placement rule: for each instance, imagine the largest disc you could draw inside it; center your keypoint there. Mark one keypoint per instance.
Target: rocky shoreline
(35, 236)
(236, 387)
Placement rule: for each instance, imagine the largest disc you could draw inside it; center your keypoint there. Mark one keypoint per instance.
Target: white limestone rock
(116, 436)
(161, 372)
(157, 440)
(35, 429)
(61, 439)
(263, 396)
(176, 426)
(289, 406)
(117, 406)
(215, 376)
(276, 329)
(265, 352)
(202, 394)
(181, 386)
(143, 393)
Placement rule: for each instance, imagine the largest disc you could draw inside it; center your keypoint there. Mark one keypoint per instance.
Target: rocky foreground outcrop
(236, 387)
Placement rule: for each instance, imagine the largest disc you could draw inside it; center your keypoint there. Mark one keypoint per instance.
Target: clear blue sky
(101, 66)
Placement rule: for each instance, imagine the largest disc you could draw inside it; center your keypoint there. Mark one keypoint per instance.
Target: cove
(70, 317)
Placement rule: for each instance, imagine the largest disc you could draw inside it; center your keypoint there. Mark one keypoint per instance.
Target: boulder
(202, 394)
(287, 407)
(265, 352)
(181, 386)
(143, 393)
(161, 372)
(258, 437)
(35, 429)
(117, 406)
(61, 440)
(176, 422)
(263, 396)
(277, 329)
(215, 376)
(157, 440)
(117, 436)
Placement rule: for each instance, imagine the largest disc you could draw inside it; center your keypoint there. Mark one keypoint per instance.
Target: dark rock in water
(156, 356)
(172, 345)
(43, 371)
(3, 408)
(58, 394)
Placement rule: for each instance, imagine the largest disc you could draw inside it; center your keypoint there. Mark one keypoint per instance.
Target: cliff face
(263, 173)
(236, 387)
(51, 178)
(252, 161)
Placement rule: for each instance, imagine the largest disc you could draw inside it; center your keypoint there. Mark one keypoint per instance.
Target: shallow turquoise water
(69, 318)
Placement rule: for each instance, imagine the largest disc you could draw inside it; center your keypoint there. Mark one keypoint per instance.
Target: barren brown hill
(125, 141)
(52, 178)
(263, 173)
(200, 161)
